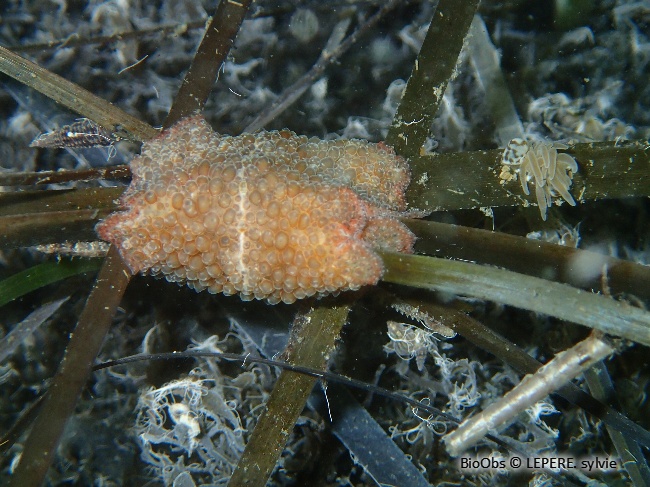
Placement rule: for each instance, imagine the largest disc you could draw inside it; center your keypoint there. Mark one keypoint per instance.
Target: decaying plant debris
(579, 93)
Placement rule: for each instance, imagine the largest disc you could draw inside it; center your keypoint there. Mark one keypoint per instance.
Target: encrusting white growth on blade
(564, 367)
(75, 249)
(540, 163)
(434, 325)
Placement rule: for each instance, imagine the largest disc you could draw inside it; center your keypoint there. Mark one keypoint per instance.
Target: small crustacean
(82, 133)
(270, 215)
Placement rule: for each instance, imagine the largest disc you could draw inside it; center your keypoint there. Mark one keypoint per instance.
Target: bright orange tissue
(270, 215)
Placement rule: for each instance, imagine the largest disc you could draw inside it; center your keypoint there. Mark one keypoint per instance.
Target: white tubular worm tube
(564, 367)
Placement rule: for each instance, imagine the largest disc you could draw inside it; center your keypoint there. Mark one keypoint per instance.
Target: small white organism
(409, 341)
(190, 425)
(565, 235)
(539, 162)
